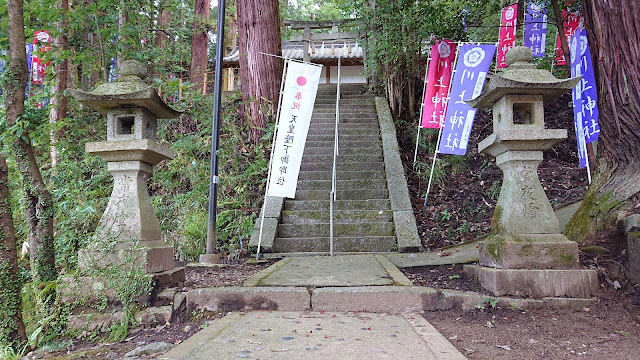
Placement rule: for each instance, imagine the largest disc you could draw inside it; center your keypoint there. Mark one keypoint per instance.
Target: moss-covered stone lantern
(526, 254)
(129, 223)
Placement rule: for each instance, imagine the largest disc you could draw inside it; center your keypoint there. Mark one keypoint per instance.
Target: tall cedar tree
(12, 330)
(199, 44)
(58, 108)
(259, 34)
(38, 199)
(614, 37)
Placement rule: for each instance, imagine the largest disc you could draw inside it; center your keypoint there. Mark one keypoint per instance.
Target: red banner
(571, 23)
(436, 94)
(41, 41)
(507, 33)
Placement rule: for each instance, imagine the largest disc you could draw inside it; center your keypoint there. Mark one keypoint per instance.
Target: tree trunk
(259, 32)
(614, 38)
(38, 199)
(12, 331)
(199, 45)
(557, 12)
(162, 35)
(58, 109)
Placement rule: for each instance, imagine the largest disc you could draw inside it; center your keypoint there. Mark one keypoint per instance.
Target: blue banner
(585, 94)
(3, 54)
(535, 31)
(471, 71)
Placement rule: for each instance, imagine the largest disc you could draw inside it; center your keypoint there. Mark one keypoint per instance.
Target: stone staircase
(363, 216)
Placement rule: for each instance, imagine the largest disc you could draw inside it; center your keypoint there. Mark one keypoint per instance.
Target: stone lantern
(129, 223)
(525, 254)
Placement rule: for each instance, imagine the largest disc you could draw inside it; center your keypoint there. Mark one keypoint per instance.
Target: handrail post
(334, 175)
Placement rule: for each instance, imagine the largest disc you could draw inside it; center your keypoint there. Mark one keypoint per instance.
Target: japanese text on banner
(468, 81)
(507, 33)
(535, 31)
(436, 94)
(585, 95)
(41, 40)
(301, 85)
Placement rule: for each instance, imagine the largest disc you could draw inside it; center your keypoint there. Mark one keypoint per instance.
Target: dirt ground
(608, 329)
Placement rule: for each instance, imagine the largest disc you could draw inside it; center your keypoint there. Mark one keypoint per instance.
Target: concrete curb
(224, 299)
(403, 218)
(387, 299)
(398, 277)
(439, 346)
(272, 210)
(255, 279)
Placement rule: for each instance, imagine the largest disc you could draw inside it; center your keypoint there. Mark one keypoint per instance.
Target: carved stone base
(529, 251)
(155, 256)
(536, 283)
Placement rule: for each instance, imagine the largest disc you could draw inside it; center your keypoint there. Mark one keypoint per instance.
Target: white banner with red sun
(296, 108)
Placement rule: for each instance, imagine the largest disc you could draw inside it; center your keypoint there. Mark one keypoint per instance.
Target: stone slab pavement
(460, 254)
(316, 335)
(325, 271)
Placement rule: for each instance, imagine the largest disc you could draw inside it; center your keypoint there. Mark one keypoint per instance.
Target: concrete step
(346, 105)
(343, 144)
(343, 175)
(348, 118)
(331, 120)
(341, 244)
(350, 194)
(326, 150)
(344, 137)
(372, 204)
(339, 216)
(342, 158)
(344, 112)
(342, 166)
(345, 99)
(339, 230)
(346, 131)
(342, 184)
(344, 126)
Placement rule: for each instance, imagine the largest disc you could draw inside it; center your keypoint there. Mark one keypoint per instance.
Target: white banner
(296, 107)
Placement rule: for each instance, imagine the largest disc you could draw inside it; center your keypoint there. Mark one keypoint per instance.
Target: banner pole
(587, 158)
(273, 140)
(424, 90)
(435, 153)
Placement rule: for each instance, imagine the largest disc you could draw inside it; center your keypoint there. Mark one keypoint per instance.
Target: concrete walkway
(341, 307)
(325, 271)
(316, 335)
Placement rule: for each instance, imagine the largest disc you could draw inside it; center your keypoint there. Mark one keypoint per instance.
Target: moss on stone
(594, 249)
(496, 221)
(493, 246)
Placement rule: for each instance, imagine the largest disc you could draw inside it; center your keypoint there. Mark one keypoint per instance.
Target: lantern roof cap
(522, 78)
(128, 91)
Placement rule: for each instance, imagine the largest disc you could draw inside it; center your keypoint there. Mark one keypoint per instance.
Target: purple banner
(535, 31)
(3, 54)
(585, 95)
(29, 50)
(468, 81)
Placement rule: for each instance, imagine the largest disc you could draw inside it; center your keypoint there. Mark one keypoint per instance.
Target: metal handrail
(334, 176)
